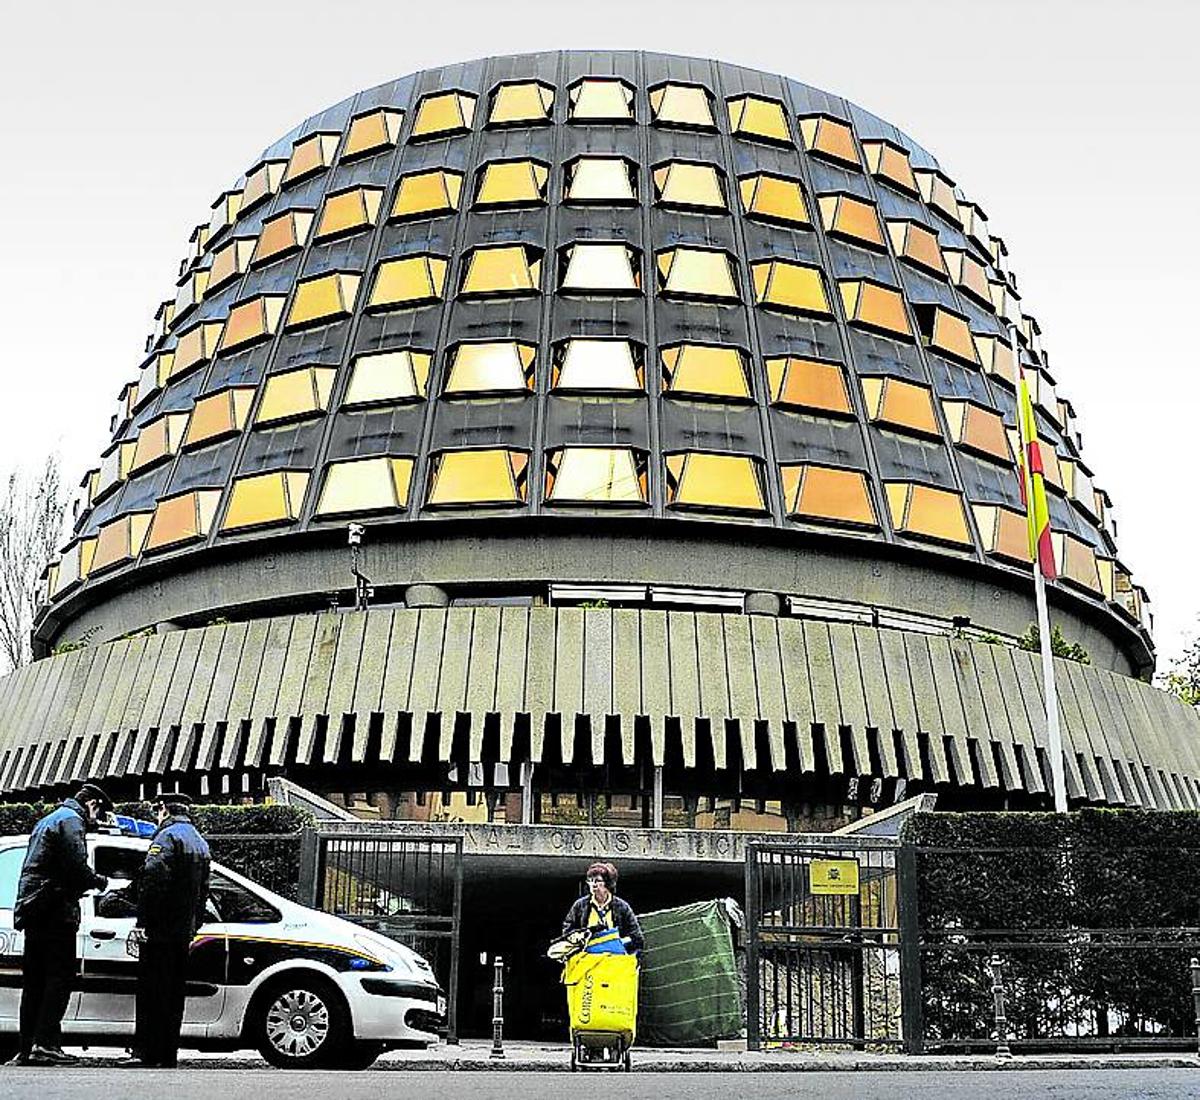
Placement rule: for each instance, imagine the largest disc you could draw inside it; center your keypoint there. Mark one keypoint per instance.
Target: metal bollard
(1196, 996)
(1003, 1053)
(498, 1010)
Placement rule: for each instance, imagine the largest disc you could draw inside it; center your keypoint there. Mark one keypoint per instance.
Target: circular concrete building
(670, 406)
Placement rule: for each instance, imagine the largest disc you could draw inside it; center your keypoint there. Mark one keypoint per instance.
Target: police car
(305, 988)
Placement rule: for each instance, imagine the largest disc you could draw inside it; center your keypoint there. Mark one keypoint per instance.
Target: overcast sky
(1074, 125)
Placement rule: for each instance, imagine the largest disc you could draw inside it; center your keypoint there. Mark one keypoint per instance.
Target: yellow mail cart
(602, 1001)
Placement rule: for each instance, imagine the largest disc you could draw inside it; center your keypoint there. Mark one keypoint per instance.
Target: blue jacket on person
(172, 886)
(55, 874)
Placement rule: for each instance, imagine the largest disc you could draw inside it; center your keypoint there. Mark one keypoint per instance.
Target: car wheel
(360, 1055)
(301, 1023)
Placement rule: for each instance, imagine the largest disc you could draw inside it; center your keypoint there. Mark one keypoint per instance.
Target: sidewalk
(475, 1055)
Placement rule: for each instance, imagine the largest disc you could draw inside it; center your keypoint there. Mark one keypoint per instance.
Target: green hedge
(260, 842)
(1084, 908)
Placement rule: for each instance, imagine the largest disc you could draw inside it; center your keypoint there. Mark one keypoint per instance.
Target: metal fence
(270, 859)
(823, 967)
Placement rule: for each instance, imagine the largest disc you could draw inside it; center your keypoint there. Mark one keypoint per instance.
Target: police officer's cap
(173, 798)
(89, 792)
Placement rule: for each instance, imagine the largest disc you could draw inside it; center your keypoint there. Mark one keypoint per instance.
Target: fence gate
(406, 887)
(823, 958)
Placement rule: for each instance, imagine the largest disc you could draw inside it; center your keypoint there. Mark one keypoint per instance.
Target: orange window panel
(512, 183)
(427, 194)
(158, 440)
(947, 333)
(1004, 531)
(969, 275)
(324, 299)
(891, 164)
(408, 281)
(262, 182)
(975, 428)
(827, 494)
(349, 212)
(996, 357)
(938, 192)
(196, 346)
(259, 500)
(852, 219)
(926, 512)
(219, 415)
(282, 235)
(706, 370)
(830, 138)
(808, 384)
(875, 306)
(120, 541)
(918, 245)
(311, 155)
(252, 321)
(1076, 562)
(229, 261)
(789, 286)
(523, 103)
(443, 114)
(182, 519)
(373, 132)
(774, 199)
(902, 405)
(759, 119)
(506, 269)
(488, 477)
(721, 482)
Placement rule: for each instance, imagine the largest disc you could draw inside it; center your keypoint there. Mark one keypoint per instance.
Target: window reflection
(478, 477)
(725, 482)
(924, 511)
(491, 368)
(521, 104)
(827, 493)
(311, 155)
(759, 119)
(890, 163)
(262, 499)
(705, 370)
(506, 269)
(373, 132)
(183, 518)
(597, 365)
(590, 475)
(902, 405)
(808, 384)
(600, 99)
(600, 180)
(427, 194)
(830, 138)
(323, 299)
(688, 186)
(295, 394)
(875, 306)
(512, 183)
(790, 286)
(610, 267)
(774, 199)
(443, 114)
(349, 211)
(852, 218)
(218, 415)
(365, 485)
(409, 281)
(686, 106)
(388, 376)
(688, 272)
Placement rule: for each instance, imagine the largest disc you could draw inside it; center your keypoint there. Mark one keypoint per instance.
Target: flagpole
(1054, 745)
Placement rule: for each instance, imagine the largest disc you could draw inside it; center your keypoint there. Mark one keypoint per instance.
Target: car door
(12, 942)
(107, 1002)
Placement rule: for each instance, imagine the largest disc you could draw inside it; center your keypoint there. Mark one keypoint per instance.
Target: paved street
(265, 1084)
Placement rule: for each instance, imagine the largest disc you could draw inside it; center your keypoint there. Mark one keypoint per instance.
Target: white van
(305, 988)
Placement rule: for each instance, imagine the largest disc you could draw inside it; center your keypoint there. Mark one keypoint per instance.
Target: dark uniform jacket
(172, 887)
(55, 874)
(623, 919)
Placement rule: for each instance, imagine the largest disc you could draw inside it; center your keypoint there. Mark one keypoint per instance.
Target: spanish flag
(1033, 485)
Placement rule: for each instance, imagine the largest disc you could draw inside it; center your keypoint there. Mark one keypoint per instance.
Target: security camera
(355, 534)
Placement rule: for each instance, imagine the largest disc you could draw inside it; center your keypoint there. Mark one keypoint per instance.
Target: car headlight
(381, 949)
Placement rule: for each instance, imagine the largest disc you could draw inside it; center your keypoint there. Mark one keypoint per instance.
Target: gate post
(911, 1013)
(307, 892)
(753, 1019)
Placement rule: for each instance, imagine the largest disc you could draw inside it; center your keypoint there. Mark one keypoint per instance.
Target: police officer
(54, 876)
(172, 888)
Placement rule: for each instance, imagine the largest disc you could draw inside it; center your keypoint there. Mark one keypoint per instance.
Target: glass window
(427, 194)
(688, 186)
(826, 493)
(158, 439)
(252, 321)
(262, 181)
(687, 106)
(1051, 469)
(183, 518)
(218, 415)
(595, 266)
(478, 477)
(75, 565)
(163, 318)
(851, 218)
(1076, 562)
(512, 183)
(924, 511)
(589, 365)
(1004, 531)
(759, 119)
(808, 384)
(978, 429)
(225, 212)
(261, 499)
(595, 475)
(388, 376)
(774, 199)
(120, 541)
(323, 299)
(114, 468)
(996, 357)
(701, 479)
(898, 404)
(521, 104)
(237, 905)
(830, 138)
(491, 368)
(372, 132)
(890, 163)
(229, 261)
(349, 211)
(293, 394)
(787, 285)
(311, 155)
(875, 306)
(190, 293)
(1005, 300)
(706, 370)
(975, 224)
(917, 244)
(11, 862)
(443, 114)
(365, 485)
(195, 346)
(197, 242)
(969, 275)
(600, 180)
(600, 99)
(946, 332)
(282, 235)
(704, 273)
(505, 269)
(938, 192)
(409, 281)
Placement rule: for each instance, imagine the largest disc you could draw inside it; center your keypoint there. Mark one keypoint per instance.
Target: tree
(31, 522)
(1059, 645)
(1183, 678)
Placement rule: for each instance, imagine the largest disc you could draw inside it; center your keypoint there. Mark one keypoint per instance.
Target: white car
(305, 988)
